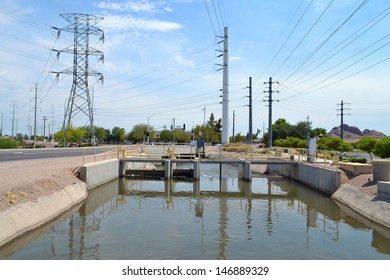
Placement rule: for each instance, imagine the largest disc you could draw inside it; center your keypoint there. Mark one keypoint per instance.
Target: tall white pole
(225, 90)
(35, 114)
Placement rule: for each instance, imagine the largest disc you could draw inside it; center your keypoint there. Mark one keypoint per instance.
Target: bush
(346, 158)
(291, 142)
(8, 144)
(359, 160)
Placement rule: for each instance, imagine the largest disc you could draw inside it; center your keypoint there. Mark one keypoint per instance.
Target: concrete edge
(27, 216)
(370, 207)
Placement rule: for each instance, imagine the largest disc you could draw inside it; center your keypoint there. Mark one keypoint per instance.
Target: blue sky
(160, 62)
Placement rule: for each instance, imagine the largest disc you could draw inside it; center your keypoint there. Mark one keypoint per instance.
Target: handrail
(236, 153)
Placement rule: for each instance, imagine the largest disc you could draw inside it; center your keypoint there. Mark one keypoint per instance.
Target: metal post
(225, 90)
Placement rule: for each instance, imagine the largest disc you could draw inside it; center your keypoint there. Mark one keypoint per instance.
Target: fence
(95, 154)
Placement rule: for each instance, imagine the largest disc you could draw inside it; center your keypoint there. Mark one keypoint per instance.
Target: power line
(326, 58)
(210, 17)
(324, 42)
(288, 37)
(307, 33)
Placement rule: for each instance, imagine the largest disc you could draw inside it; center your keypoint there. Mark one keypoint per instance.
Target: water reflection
(231, 219)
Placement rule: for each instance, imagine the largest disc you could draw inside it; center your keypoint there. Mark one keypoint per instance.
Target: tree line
(284, 135)
(295, 136)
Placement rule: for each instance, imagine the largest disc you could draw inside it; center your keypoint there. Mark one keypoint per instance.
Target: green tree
(318, 132)
(382, 147)
(238, 138)
(139, 133)
(118, 134)
(338, 145)
(19, 136)
(166, 136)
(367, 144)
(78, 135)
(108, 138)
(211, 132)
(101, 134)
(69, 134)
(207, 134)
(281, 129)
(182, 136)
(301, 130)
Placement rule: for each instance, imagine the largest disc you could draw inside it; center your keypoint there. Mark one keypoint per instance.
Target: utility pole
(1, 127)
(234, 120)
(13, 119)
(52, 123)
(173, 132)
(204, 116)
(250, 132)
(35, 113)
(270, 100)
(44, 127)
(82, 26)
(225, 88)
(342, 109)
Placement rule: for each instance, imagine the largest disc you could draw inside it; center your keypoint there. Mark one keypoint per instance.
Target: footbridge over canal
(131, 167)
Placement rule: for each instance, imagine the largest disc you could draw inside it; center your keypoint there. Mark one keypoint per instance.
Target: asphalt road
(31, 154)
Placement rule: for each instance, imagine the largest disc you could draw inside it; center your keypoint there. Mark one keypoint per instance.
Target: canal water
(267, 218)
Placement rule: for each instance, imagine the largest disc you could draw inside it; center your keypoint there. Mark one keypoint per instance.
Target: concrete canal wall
(375, 209)
(322, 179)
(98, 173)
(325, 180)
(30, 215)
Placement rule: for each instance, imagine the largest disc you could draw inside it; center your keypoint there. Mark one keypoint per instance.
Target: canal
(211, 219)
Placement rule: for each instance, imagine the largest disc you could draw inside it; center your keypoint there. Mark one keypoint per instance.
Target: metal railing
(213, 152)
(96, 154)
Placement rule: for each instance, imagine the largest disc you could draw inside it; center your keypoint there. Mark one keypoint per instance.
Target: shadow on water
(231, 218)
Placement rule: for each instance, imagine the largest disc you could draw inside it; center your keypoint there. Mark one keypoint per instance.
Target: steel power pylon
(270, 100)
(82, 26)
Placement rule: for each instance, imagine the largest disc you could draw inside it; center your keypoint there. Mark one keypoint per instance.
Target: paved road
(30, 154)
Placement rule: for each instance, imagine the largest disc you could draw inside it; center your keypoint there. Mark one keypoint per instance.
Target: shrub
(8, 143)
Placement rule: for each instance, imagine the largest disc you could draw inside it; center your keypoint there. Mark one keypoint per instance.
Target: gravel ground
(363, 182)
(23, 181)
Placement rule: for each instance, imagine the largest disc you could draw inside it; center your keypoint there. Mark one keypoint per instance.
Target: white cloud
(235, 58)
(128, 22)
(181, 60)
(132, 6)
(169, 10)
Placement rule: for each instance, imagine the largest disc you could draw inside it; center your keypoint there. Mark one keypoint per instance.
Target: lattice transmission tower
(79, 101)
